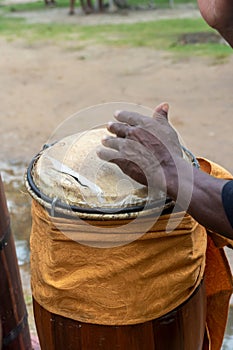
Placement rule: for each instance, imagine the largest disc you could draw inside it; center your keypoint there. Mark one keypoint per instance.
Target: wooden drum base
(181, 329)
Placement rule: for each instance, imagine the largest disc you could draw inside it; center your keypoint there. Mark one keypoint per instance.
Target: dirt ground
(42, 84)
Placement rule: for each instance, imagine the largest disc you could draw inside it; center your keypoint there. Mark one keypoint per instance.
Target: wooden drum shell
(181, 329)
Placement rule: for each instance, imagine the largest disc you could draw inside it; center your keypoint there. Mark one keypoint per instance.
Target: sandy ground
(43, 84)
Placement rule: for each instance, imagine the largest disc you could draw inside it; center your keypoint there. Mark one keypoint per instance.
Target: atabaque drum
(114, 264)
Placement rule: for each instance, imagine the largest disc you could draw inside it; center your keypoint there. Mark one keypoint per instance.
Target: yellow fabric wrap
(136, 282)
(129, 284)
(218, 276)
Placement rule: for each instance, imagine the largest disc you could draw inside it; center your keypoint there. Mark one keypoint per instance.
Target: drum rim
(56, 206)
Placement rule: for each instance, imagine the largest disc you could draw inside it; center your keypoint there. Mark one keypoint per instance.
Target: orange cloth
(128, 284)
(135, 282)
(218, 276)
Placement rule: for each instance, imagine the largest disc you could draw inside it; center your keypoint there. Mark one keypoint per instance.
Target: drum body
(106, 273)
(181, 329)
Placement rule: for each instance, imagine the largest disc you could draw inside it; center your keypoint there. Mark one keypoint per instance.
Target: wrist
(179, 180)
(171, 173)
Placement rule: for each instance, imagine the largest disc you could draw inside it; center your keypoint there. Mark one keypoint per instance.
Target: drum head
(71, 171)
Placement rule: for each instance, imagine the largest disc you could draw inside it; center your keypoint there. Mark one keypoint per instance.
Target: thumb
(161, 110)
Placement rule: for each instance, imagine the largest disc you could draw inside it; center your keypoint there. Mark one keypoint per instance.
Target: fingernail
(116, 113)
(165, 107)
(98, 149)
(104, 138)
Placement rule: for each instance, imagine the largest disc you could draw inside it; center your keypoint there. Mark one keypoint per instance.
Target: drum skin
(181, 329)
(78, 152)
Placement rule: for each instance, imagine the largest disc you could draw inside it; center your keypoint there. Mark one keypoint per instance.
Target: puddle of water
(23, 252)
(19, 205)
(18, 202)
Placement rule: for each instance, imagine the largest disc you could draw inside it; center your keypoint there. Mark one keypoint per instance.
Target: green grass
(219, 52)
(161, 35)
(31, 6)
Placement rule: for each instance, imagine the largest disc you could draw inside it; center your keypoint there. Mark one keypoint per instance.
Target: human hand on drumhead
(144, 148)
(219, 15)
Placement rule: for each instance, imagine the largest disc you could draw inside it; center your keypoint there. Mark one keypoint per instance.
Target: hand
(144, 148)
(219, 15)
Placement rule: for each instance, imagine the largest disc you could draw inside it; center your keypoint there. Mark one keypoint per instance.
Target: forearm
(200, 195)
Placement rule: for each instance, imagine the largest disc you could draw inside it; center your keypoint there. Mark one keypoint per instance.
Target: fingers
(128, 167)
(111, 156)
(136, 119)
(130, 118)
(112, 142)
(161, 110)
(106, 154)
(121, 130)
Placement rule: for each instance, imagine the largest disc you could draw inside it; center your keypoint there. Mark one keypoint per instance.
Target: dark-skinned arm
(148, 150)
(206, 204)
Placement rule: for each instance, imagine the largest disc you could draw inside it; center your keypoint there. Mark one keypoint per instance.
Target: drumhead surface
(71, 171)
